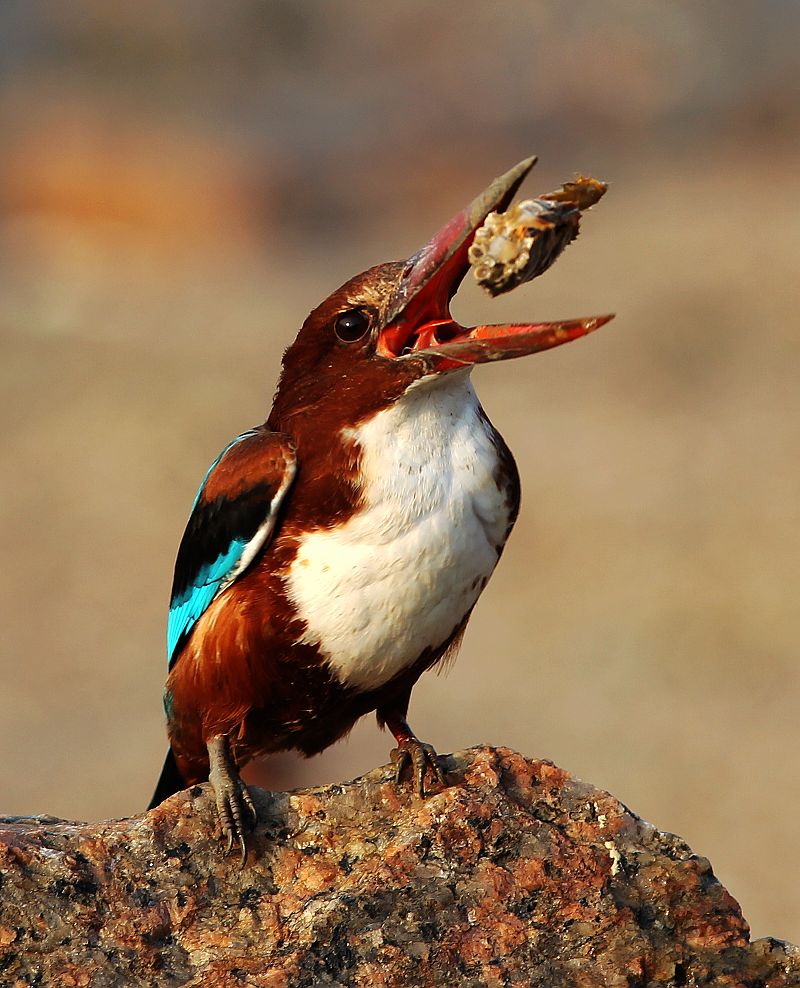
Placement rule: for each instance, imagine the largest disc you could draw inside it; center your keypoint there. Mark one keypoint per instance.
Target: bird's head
(390, 326)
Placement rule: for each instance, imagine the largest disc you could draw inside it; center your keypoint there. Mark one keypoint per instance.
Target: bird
(335, 553)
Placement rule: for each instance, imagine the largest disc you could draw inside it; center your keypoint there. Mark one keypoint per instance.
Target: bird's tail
(169, 782)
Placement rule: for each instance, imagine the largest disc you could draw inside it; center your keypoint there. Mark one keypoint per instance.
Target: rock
(516, 875)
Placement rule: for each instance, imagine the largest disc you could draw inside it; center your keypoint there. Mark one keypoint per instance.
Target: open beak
(418, 324)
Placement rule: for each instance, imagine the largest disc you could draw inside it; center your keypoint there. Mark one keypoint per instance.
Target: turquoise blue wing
(232, 520)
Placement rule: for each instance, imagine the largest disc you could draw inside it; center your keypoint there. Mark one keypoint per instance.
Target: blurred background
(181, 183)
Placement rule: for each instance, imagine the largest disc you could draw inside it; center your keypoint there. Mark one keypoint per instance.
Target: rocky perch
(515, 875)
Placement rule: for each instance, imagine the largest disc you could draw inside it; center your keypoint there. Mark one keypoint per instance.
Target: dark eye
(352, 325)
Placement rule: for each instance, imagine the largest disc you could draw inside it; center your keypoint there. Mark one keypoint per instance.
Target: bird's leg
(411, 752)
(235, 807)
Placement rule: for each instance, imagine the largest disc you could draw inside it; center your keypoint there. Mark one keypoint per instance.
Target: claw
(235, 807)
(419, 756)
(399, 758)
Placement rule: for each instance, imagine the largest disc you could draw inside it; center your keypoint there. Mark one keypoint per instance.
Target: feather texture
(232, 519)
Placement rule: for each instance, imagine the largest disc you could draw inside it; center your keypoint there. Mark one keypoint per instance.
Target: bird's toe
(235, 807)
(419, 757)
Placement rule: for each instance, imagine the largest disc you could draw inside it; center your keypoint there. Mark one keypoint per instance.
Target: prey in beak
(504, 250)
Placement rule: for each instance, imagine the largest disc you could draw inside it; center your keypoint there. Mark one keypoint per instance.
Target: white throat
(405, 570)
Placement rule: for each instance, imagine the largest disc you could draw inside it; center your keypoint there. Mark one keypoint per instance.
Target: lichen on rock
(515, 874)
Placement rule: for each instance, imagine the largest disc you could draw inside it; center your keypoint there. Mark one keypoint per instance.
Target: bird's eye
(352, 325)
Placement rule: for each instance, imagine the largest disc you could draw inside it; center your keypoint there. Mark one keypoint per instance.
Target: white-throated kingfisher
(335, 553)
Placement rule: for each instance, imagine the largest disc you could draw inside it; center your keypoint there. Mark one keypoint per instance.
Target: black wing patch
(233, 517)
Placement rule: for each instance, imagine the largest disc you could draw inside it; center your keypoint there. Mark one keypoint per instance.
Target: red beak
(418, 323)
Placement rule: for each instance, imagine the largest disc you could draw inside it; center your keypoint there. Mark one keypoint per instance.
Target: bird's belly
(374, 606)
(402, 573)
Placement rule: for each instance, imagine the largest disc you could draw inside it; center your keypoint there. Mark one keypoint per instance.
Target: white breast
(402, 573)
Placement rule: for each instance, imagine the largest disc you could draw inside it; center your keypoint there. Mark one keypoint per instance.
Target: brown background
(180, 183)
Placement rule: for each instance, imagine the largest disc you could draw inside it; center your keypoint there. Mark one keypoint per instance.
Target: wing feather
(233, 517)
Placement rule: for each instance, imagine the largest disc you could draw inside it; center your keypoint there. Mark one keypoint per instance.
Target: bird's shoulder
(234, 516)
